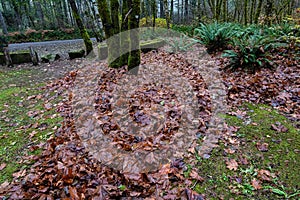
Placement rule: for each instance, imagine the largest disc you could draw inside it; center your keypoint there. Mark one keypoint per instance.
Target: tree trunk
(125, 34)
(84, 34)
(3, 24)
(268, 10)
(252, 11)
(17, 14)
(40, 14)
(161, 9)
(154, 13)
(167, 14)
(245, 12)
(225, 10)
(186, 10)
(172, 10)
(134, 17)
(258, 11)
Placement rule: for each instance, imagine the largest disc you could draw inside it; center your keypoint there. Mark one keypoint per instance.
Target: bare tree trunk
(3, 24)
(40, 14)
(154, 13)
(84, 34)
(172, 10)
(161, 9)
(186, 10)
(245, 12)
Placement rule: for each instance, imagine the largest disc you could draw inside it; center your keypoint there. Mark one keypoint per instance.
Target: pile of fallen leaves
(66, 171)
(143, 104)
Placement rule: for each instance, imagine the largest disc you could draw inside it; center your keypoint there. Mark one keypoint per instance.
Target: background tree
(84, 34)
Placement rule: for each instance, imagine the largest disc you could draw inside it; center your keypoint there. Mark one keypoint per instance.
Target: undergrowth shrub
(215, 36)
(159, 22)
(188, 30)
(249, 52)
(179, 44)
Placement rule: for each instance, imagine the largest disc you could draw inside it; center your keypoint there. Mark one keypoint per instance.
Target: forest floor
(246, 144)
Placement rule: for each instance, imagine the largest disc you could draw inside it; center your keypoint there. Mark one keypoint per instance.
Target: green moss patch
(259, 159)
(27, 120)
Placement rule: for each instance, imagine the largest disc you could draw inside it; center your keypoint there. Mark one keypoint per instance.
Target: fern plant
(215, 36)
(251, 51)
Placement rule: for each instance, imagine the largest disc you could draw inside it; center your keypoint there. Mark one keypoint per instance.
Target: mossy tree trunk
(134, 18)
(110, 21)
(84, 34)
(258, 11)
(251, 11)
(125, 35)
(167, 14)
(268, 10)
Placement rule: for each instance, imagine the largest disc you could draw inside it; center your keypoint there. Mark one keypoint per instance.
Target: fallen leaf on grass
(19, 174)
(48, 106)
(264, 175)
(232, 164)
(3, 187)
(262, 147)
(192, 195)
(196, 176)
(256, 184)
(32, 134)
(2, 166)
(279, 128)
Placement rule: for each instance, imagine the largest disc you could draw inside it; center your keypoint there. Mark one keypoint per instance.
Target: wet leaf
(232, 164)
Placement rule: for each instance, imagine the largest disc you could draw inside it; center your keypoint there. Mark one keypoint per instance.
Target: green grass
(19, 128)
(281, 159)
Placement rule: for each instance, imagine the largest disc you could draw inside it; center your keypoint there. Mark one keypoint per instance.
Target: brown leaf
(279, 128)
(19, 173)
(232, 164)
(3, 187)
(73, 193)
(32, 134)
(262, 147)
(264, 175)
(192, 195)
(48, 106)
(256, 184)
(2, 166)
(195, 175)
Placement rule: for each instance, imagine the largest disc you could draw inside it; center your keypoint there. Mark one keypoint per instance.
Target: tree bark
(245, 12)
(161, 9)
(154, 13)
(268, 10)
(125, 34)
(172, 10)
(167, 14)
(258, 11)
(3, 24)
(84, 34)
(134, 17)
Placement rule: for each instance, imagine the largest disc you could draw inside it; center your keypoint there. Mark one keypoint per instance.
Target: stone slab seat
(17, 57)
